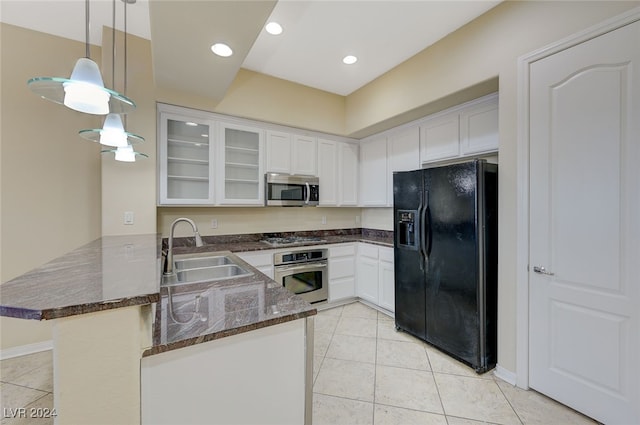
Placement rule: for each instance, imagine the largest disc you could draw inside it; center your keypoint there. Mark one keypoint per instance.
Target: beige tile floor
(364, 373)
(26, 382)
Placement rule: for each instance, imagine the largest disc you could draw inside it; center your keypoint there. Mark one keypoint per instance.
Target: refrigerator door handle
(420, 236)
(424, 235)
(428, 233)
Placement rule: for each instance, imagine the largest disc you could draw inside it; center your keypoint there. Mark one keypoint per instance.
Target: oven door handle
(300, 267)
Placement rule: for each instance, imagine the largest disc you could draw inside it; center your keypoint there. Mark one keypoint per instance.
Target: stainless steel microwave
(291, 190)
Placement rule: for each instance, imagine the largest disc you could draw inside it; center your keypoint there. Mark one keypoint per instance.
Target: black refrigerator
(446, 240)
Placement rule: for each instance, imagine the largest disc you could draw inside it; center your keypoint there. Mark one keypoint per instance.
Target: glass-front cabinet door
(185, 156)
(240, 172)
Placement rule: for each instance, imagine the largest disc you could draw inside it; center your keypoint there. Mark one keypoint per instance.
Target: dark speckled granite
(225, 308)
(110, 272)
(254, 241)
(121, 271)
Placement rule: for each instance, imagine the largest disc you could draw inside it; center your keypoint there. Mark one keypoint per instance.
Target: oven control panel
(299, 256)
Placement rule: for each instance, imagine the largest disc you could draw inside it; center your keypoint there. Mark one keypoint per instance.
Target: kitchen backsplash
(234, 221)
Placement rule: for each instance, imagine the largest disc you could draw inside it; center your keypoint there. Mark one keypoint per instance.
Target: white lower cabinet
(359, 270)
(342, 273)
(230, 380)
(261, 260)
(374, 275)
(386, 284)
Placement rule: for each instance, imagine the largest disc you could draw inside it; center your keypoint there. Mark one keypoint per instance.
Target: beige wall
(264, 98)
(131, 186)
(257, 220)
(488, 47)
(258, 96)
(50, 176)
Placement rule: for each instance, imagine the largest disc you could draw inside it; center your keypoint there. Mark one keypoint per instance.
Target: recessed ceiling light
(273, 28)
(222, 49)
(190, 124)
(350, 59)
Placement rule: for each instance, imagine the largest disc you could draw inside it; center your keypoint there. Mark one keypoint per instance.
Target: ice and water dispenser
(407, 229)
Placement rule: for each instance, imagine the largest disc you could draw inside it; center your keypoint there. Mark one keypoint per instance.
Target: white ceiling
(382, 34)
(317, 35)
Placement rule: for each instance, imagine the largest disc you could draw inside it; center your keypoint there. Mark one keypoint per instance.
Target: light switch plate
(128, 217)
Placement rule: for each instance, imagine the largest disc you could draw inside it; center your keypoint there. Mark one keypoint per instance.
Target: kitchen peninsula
(104, 296)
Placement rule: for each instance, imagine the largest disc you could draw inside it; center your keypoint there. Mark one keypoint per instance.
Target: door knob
(542, 270)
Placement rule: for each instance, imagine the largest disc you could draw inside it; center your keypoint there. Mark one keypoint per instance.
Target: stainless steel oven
(304, 273)
(291, 191)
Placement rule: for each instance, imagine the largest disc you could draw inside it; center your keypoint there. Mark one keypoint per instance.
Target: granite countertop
(122, 271)
(255, 242)
(196, 313)
(110, 272)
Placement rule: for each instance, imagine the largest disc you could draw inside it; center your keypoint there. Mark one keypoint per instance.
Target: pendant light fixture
(84, 90)
(113, 133)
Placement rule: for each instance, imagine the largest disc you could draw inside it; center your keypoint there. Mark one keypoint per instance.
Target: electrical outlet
(128, 217)
(324, 219)
(357, 219)
(214, 223)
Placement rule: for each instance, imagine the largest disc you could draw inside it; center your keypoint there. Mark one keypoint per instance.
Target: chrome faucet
(168, 268)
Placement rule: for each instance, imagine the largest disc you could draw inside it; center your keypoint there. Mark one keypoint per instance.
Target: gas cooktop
(292, 240)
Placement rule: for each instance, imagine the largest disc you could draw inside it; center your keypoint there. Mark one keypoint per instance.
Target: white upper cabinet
(373, 172)
(338, 173)
(348, 172)
(404, 154)
(463, 131)
(479, 127)
(239, 165)
(291, 153)
(304, 156)
(278, 152)
(186, 154)
(328, 172)
(440, 138)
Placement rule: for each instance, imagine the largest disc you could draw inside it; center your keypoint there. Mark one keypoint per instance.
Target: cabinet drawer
(367, 250)
(257, 260)
(342, 251)
(386, 254)
(341, 267)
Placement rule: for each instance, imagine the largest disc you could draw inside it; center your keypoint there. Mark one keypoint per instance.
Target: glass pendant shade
(85, 90)
(112, 133)
(125, 153)
(81, 95)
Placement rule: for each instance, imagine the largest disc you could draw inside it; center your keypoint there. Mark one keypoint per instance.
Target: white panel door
(585, 226)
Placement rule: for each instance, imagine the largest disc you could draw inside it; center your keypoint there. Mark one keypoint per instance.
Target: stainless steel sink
(197, 262)
(212, 273)
(202, 268)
